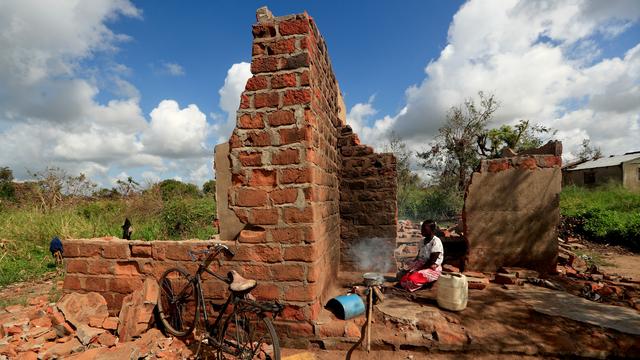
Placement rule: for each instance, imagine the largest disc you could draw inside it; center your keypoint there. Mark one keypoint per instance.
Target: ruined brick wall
(368, 206)
(511, 213)
(284, 158)
(115, 268)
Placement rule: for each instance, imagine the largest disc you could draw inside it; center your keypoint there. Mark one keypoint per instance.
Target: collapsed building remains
(299, 197)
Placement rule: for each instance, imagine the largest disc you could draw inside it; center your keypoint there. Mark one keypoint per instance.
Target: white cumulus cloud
(175, 132)
(542, 61)
(230, 92)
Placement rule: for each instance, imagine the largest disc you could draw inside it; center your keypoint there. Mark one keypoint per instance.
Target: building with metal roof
(621, 169)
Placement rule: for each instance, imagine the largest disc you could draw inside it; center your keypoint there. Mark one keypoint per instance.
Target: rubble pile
(79, 327)
(588, 281)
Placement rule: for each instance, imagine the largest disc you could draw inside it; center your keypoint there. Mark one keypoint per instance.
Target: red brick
(41, 322)
(294, 135)
(264, 216)
(258, 138)
(255, 272)
(261, 177)
(283, 196)
(314, 310)
(245, 101)
(234, 141)
(252, 236)
(96, 284)
(294, 26)
(294, 97)
(498, 165)
(99, 266)
(304, 78)
(283, 80)
(300, 253)
(76, 266)
(285, 235)
(248, 121)
(551, 161)
(331, 329)
(288, 272)
(315, 271)
(265, 291)
(300, 292)
(118, 250)
(214, 289)
(291, 312)
(110, 323)
(285, 46)
(250, 158)
(238, 179)
(263, 30)
(257, 83)
(528, 164)
(141, 250)
(309, 117)
(295, 176)
(124, 285)
(242, 215)
(281, 117)
(126, 268)
(86, 249)
(268, 99)
(294, 62)
(294, 330)
(285, 157)
(251, 197)
(264, 64)
(257, 49)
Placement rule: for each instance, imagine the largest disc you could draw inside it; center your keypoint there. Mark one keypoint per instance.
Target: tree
(171, 188)
(209, 187)
(454, 152)
(128, 187)
(408, 182)
(54, 185)
(522, 136)
(7, 190)
(589, 152)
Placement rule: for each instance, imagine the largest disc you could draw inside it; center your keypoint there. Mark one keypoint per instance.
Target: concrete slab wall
(511, 213)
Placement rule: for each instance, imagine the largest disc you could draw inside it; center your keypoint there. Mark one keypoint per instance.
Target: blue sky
(117, 88)
(376, 48)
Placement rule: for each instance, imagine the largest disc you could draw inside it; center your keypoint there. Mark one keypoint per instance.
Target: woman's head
(428, 228)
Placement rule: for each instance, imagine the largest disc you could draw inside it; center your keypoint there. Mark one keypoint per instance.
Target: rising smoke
(373, 254)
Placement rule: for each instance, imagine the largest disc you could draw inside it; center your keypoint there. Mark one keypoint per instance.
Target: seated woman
(427, 266)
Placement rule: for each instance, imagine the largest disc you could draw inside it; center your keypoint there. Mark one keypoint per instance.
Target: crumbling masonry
(298, 195)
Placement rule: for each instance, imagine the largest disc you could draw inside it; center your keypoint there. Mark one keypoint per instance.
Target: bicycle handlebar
(217, 248)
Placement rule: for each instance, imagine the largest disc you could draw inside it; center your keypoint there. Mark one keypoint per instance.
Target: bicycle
(182, 297)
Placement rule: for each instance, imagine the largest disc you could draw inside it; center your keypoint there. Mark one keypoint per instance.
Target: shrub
(172, 189)
(608, 214)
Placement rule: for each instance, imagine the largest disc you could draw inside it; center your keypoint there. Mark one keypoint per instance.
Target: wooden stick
(369, 311)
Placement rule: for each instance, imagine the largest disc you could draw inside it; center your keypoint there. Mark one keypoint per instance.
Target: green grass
(609, 213)
(28, 229)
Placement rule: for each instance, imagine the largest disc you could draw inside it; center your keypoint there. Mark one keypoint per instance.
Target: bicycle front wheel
(248, 335)
(178, 304)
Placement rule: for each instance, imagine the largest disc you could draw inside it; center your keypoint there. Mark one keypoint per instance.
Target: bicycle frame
(212, 331)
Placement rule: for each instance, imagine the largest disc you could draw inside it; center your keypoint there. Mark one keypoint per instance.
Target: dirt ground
(626, 265)
(497, 324)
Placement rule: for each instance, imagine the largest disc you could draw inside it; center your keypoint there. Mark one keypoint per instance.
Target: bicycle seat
(240, 284)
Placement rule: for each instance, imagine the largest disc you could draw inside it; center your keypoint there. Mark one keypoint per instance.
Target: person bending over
(427, 266)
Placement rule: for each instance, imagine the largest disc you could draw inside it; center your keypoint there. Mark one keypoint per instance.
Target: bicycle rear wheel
(178, 304)
(248, 335)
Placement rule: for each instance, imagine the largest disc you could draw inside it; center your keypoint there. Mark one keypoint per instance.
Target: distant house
(621, 169)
